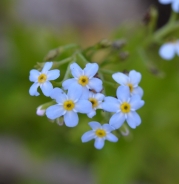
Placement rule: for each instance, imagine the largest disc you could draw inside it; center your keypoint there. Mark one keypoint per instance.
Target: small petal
(33, 89)
(110, 104)
(95, 84)
(138, 91)
(135, 77)
(34, 74)
(76, 70)
(175, 6)
(53, 74)
(99, 96)
(123, 93)
(165, 1)
(111, 137)
(120, 78)
(83, 106)
(167, 51)
(88, 136)
(133, 119)
(99, 143)
(47, 67)
(71, 119)
(117, 120)
(40, 111)
(54, 111)
(58, 95)
(136, 102)
(46, 88)
(91, 69)
(108, 127)
(94, 125)
(91, 114)
(74, 92)
(67, 83)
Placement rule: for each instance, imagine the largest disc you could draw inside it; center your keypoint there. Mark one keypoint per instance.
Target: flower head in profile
(84, 78)
(42, 79)
(132, 80)
(96, 100)
(175, 4)
(168, 50)
(124, 107)
(68, 105)
(100, 133)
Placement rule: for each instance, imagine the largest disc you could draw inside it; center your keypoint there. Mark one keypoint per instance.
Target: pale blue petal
(95, 84)
(67, 83)
(138, 91)
(85, 93)
(175, 6)
(91, 114)
(58, 95)
(95, 125)
(135, 77)
(120, 78)
(107, 127)
(47, 67)
(167, 51)
(71, 119)
(88, 136)
(91, 69)
(74, 92)
(54, 111)
(117, 120)
(99, 143)
(33, 89)
(99, 96)
(76, 70)
(46, 88)
(111, 137)
(110, 104)
(34, 74)
(133, 119)
(123, 93)
(83, 106)
(165, 1)
(136, 102)
(53, 74)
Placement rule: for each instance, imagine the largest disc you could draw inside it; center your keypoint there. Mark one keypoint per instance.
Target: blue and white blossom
(84, 78)
(100, 133)
(43, 79)
(124, 107)
(96, 100)
(68, 105)
(175, 4)
(168, 50)
(132, 80)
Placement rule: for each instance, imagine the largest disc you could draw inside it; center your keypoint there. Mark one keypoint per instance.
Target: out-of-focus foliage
(149, 155)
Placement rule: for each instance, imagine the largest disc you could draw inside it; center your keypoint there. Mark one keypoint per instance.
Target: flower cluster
(83, 93)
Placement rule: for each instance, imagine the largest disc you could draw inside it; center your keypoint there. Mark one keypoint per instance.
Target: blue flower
(100, 133)
(84, 78)
(42, 79)
(68, 105)
(124, 108)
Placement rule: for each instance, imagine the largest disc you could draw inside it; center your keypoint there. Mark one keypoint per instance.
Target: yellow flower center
(68, 105)
(130, 87)
(94, 102)
(125, 107)
(100, 133)
(83, 80)
(42, 78)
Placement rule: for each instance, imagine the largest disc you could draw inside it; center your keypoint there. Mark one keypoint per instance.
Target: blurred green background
(36, 151)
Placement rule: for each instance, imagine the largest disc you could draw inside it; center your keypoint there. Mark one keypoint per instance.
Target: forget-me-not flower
(42, 79)
(124, 107)
(84, 78)
(100, 133)
(168, 50)
(132, 80)
(68, 105)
